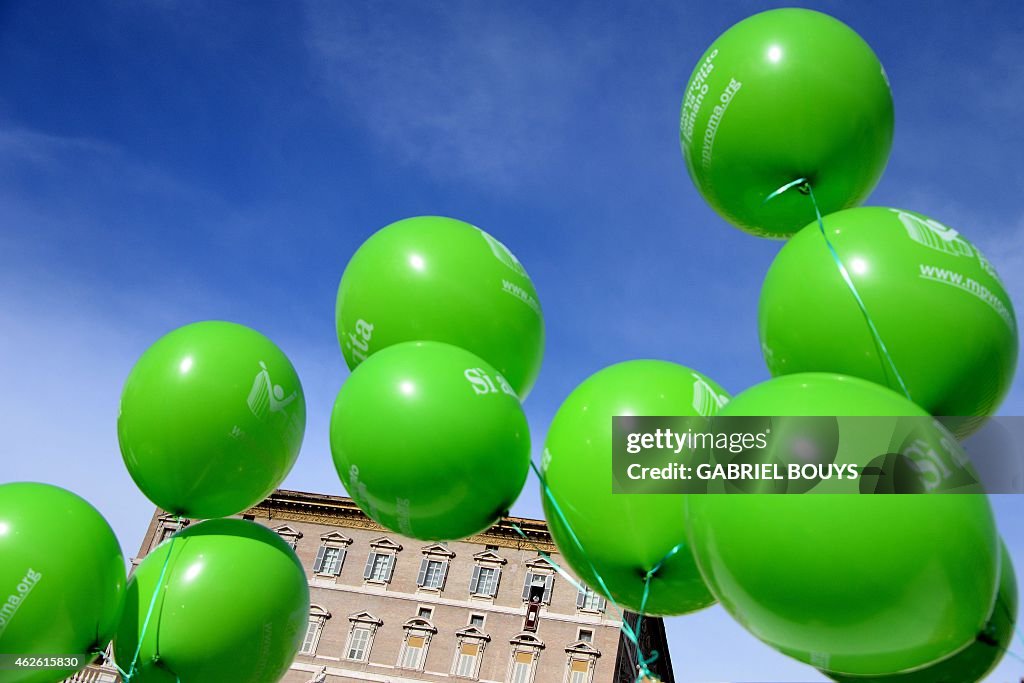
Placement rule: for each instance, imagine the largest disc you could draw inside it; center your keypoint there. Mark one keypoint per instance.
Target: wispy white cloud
(476, 91)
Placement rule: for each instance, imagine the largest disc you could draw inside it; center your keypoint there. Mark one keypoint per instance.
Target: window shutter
(341, 561)
(368, 571)
(497, 579)
(526, 586)
(444, 573)
(475, 581)
(391, 567)
(579, 665)
(524, 658)
(601, 604)
(549, 582)
(416, 641)
(581, 599)
(421, 578)
(318, 565)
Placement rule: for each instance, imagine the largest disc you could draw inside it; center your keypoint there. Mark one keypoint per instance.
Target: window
(412, 656)
(312, 636)
(491, 548)
(432, 573)
(579, 671)
(522, 667)
(590, 601)
(379, 567)
(357, 642)
(317, 617)
(360, 637)
(425, 612)
(484, 581)
(476, 620)
(465, 659)
(329, 560)
(418, 633)
(586, 636)
(538, 586)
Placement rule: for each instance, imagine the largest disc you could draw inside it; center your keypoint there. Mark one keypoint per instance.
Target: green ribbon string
(633, 635)
(804, 186)
(130, 674)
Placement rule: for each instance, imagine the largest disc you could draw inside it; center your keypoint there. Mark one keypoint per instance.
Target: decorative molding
(365, 618)
(385, 543)
(437, 550)
(539, 563)
(489, 557)
(472, 632)
(339, 511)
(526, 640)
(335, 537)
(319, 611)
(582, 647)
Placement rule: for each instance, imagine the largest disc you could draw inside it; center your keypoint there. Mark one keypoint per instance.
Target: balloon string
(804, 186)
(130, 674)
(632, 634)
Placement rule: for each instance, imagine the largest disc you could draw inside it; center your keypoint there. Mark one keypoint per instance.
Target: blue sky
(163, 162)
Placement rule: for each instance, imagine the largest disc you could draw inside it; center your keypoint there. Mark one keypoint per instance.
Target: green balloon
(438, 279)
(621, 537)
(233, 606)
(430, 441)
(62, 579)
(211, 421)
(855, 584)
(786, 94)
(936, 302)
(980, 657)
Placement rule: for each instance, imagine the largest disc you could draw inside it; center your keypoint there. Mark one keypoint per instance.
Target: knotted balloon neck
(631, 632)
(803, 185)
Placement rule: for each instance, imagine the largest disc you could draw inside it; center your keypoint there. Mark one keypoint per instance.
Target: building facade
(490, 608)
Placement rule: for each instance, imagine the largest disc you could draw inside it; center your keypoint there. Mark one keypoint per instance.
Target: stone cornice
(339, 511)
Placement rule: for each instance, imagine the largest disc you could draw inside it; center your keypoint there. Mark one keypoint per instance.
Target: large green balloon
(439, 279)
(979, 658)
(212, 417)
(782, 95)
(430, 440)
(623, 536)
(937, 304)
(233, 606)
(62, 578)
(855, 584)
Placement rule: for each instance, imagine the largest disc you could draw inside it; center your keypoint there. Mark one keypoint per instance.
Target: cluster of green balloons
(443, 332)
(786, 126)
(212, 419)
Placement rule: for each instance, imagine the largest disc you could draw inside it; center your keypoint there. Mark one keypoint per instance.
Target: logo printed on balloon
(360, 345)
(502, 253)
(14, 600)
(716, 119)
(266, 397)
(521, 294)
(706, 401)
(485, 384)
(695, 97)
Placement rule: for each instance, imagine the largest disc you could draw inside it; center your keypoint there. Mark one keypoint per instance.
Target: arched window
(413, 653)
(526, 651)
